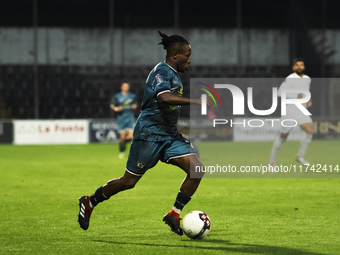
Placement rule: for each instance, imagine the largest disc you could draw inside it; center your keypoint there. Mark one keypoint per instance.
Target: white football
(196, 225)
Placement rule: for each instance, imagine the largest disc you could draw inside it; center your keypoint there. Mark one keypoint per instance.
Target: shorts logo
(159, 78)
(140, 164)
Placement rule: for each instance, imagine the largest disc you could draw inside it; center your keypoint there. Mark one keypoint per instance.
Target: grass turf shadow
(223, 245)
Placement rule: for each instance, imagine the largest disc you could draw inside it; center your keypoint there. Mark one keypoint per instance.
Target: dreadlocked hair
(172, 41)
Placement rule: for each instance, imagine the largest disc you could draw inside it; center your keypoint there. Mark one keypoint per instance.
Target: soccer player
(124, 103)
(295, 80)
(156, 136)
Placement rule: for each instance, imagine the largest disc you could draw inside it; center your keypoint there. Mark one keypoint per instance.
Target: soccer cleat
(173, 220)
(85, 212)
(302, 161)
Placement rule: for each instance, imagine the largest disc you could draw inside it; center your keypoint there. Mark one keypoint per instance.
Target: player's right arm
(161, 84)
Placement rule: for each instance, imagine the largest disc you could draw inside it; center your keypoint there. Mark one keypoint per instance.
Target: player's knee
(201, 175)
(197, 175)
(309, 133)
(308, 128)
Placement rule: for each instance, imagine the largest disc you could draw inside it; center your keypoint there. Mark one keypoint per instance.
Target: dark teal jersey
(157, 122)
(125, 101)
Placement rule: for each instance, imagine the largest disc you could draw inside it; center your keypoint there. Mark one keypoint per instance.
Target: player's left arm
(173, 99)
(163, 94)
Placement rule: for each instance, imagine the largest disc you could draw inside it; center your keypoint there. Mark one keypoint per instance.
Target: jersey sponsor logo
(128, 101)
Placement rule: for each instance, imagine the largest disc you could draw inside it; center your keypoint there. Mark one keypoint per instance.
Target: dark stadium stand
(76, 92)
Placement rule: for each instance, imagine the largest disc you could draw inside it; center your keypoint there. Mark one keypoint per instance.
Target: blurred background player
(156, 136)
(295, 80)
(124, 104)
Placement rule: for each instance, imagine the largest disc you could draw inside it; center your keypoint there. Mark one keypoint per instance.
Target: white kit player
(295, 80)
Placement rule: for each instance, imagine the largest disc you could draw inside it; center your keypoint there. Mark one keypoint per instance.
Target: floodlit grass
(40, 187)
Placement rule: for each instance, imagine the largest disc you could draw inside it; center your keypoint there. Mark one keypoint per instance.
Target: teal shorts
(145, 154)
(125, 122)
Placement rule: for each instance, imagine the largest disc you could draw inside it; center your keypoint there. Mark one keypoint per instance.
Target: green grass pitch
(40, 187)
